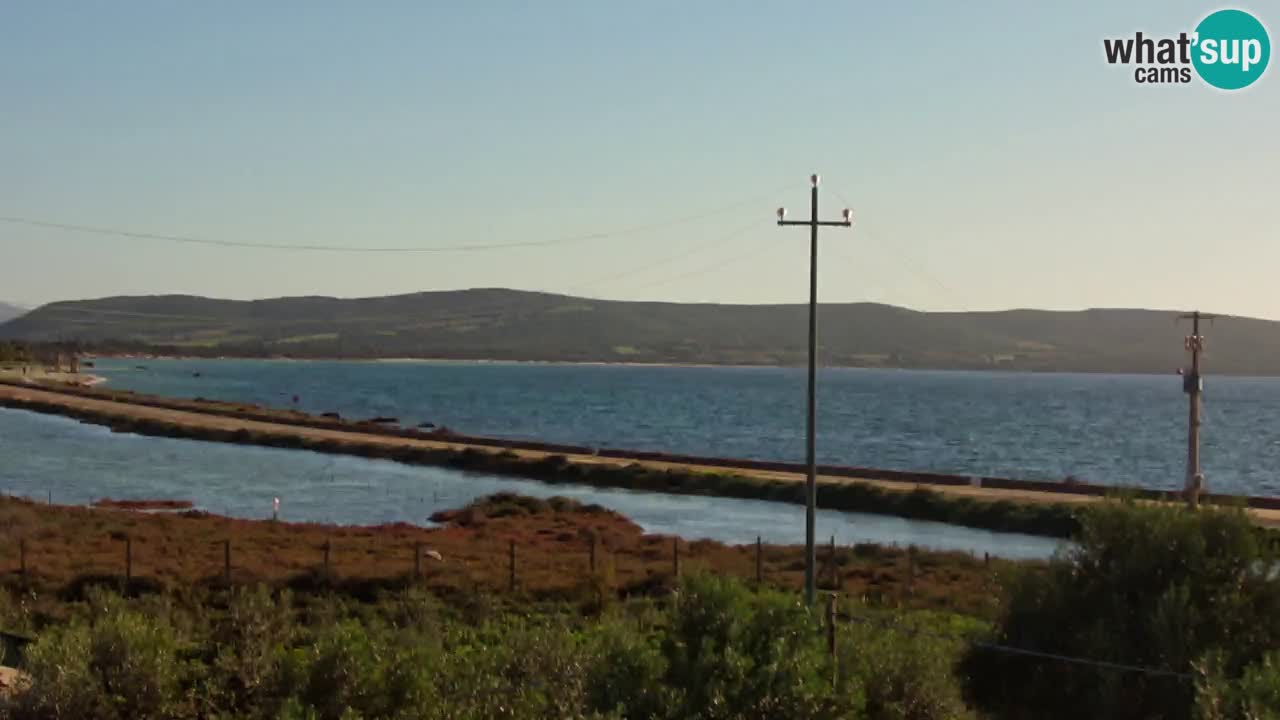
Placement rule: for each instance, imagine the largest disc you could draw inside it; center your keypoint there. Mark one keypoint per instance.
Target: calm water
(1114, 429)
(43, 456)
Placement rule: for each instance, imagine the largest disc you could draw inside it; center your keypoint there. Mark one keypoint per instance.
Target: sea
(1125, 430)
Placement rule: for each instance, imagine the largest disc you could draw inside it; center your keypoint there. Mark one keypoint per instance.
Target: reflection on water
(42, 456)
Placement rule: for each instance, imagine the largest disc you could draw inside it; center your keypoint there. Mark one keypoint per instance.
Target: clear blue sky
(993, 158)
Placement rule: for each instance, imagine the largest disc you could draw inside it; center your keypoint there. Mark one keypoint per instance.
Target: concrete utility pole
(811, 442)
(1193, 386)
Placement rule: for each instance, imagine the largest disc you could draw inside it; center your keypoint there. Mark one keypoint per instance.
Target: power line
(473, 312)
(716, 242)
(908, 261)
(755, 250)
(218, 242)
(1009, 649)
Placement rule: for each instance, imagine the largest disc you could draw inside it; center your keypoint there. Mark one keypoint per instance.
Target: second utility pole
(811, 433)
(1193, 385)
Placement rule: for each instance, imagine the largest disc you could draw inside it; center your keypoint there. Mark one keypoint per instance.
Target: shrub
(15, 612)
(1254, 696)
(118, 664)
(514, 668)
(627, 675)
(731, 655)
(902, 671)
(244, 649)
(1145, 585)
(349, 670)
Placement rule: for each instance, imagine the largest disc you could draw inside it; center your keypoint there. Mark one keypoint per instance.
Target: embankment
(987, 503)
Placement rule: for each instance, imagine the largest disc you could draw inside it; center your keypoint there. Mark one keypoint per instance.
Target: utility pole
(1193, 386)
(811, 441)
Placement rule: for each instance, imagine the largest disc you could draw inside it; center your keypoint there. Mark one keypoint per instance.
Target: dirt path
(192, 419)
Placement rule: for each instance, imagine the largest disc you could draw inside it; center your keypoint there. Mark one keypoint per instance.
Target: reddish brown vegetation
(67, 546)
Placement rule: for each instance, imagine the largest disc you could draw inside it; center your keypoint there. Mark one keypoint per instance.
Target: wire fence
(416, 560)
(888, 626)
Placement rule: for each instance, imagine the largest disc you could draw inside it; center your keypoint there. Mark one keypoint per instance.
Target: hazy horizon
(1172, 311)
(639, 152)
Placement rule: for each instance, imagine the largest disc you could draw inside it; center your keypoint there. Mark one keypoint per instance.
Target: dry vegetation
(69, 547)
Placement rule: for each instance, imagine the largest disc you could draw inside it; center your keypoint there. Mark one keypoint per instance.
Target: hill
(517, 325)
(9, 312)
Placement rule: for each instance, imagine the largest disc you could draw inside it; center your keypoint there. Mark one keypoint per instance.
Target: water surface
(52, 457)
(1111, 429)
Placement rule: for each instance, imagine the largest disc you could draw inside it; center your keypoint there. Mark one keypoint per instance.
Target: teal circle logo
(1231, 49)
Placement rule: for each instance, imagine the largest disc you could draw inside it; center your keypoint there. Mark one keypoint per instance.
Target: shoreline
(629, 363)
(985, 503)
(35, 376)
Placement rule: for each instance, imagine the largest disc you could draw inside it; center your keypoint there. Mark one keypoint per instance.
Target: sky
(992, 157)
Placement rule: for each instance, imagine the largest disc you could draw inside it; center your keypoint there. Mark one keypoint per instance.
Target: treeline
(15, 352)
(1155, 612)
(33, 352)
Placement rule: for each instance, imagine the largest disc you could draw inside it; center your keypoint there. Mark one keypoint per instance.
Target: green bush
(627, 675)
(244, 648)
(1254, 696)
(117, 664)
(716, 650)
(15, 612)
(349, 670)
(1153, 586)
(518, 668)
(731, 655)
(903, 671)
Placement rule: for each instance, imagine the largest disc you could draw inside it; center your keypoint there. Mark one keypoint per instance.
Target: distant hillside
(9, 312)
(508, 324)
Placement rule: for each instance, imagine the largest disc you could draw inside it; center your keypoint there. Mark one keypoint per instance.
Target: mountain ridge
(9, 311)
(503, 324)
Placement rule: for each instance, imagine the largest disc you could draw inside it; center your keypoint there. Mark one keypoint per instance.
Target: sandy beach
(38, 374)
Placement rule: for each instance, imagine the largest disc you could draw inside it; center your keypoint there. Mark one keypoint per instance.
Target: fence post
(226, 561)
(22, 555)
(128, 561)
(831, 563)
(512, 561)
(417, 560)
(911, 571)
(593, 554)
(327, 545)
(759, 562)
(675, 558)
(831, 625)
